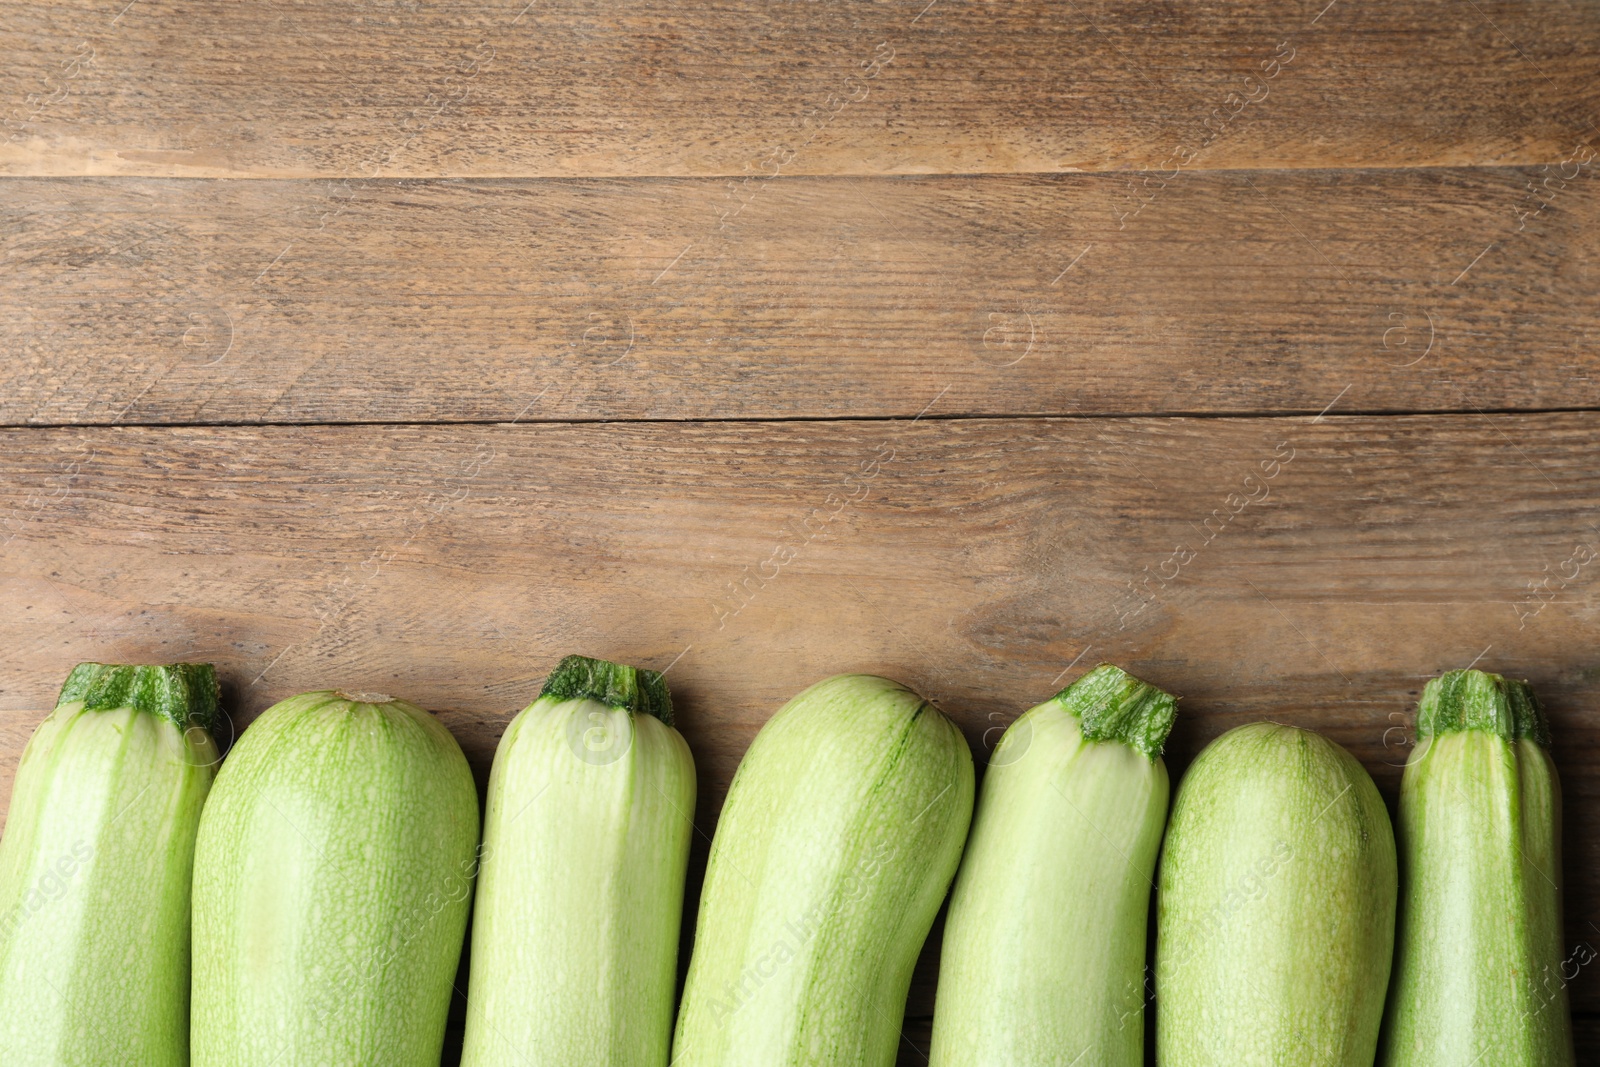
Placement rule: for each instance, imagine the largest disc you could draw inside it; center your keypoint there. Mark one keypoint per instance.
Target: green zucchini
(580, 896)
(1275, 911)
(333, 875)
(1044, 946)
(1478, 973)
(95, 869)
(836, 844)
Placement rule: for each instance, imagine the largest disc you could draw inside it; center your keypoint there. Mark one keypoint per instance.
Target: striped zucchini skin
(1044, 947)
(95, 870)
(333, 876)
(837, 842)
(1275, 910)
(1478, 974)
(580, 896)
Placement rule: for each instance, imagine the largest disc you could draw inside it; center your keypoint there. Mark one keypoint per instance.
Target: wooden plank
(1586, 1034)
(496, 88)
(1323, 569)
(154, 300)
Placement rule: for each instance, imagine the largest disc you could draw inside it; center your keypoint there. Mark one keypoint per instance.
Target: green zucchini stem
(1464, 700)
(616, 685)
(184, 694)
(1112, 705)
(1527, 718)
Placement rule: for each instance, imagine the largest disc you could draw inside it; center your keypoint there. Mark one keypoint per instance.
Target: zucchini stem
(616, 685)
(1473, 700)
(184, 694)
(1112, 705)
(1527, 718)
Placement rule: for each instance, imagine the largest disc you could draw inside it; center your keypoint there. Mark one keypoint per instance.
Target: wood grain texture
(497, 88)
(1314, 572)
(157, 300)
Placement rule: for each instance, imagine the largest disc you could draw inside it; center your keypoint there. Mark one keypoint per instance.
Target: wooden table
(409, 346)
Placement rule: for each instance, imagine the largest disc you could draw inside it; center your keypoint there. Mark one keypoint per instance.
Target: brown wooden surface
(143, 300)
(525, 87)
(984, 562)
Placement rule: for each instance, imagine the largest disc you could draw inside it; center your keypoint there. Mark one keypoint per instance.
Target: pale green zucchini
(1044, 946)
(580, 895)
(333, 876)
(1275, 913)
(95, 869)
(1478, 973)
(836, 844)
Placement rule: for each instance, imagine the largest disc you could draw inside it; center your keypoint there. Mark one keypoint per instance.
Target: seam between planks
(712, 176)
(780, 419)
